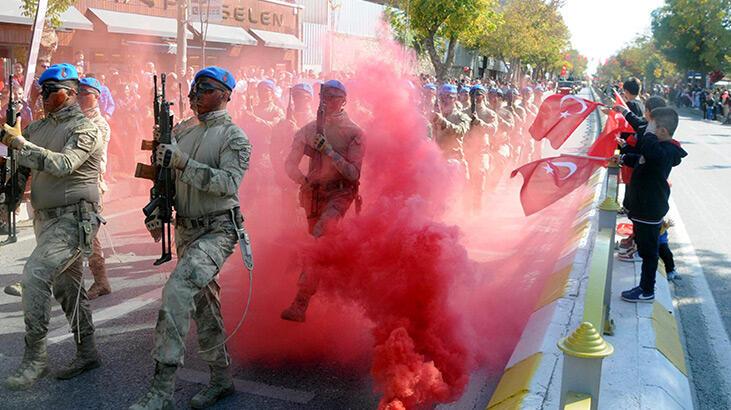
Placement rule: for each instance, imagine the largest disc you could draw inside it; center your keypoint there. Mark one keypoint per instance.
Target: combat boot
(87, 358)
(97, 289)
(221, 385)
(160, 394)
(101, 285)
(14, 289)
(296, 311)
(33, 367)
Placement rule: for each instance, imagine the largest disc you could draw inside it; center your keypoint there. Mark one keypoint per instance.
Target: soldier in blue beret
(463, 98)
(299, 114)
(63, 153)
(208, 161)
(449, 127)
(89, 96)
(477, 145)
(259, 122)
(336, 148)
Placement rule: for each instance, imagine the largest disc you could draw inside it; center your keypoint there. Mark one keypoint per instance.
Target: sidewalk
(648, 368)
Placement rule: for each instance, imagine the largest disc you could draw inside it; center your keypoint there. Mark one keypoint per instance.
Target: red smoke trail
(398, 285)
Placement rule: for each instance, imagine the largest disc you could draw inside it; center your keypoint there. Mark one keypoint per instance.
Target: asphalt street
(701, 192)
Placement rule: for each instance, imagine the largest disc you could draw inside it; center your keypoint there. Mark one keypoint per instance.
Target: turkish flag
(559, 116)
(606, 143)
(549, 179)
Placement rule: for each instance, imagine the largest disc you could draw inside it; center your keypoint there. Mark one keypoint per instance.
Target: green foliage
(575, 63)
(437, 25)
(640, 59)
(55, 8)
(532, 32)
(694, 34)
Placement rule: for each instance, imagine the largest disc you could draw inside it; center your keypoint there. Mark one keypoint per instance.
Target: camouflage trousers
(55, 266)
(192, 290)
(97, 264)
(331, 209)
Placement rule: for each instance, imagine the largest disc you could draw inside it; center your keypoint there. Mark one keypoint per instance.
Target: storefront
(15, 31)
(121, 34)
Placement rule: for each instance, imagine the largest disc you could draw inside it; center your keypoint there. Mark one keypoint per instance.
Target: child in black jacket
(647, 195)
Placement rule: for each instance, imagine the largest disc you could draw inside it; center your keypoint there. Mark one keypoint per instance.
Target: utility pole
(182, 39)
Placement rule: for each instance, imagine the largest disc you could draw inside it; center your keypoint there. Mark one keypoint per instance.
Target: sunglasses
(205, 88)
(47, 90)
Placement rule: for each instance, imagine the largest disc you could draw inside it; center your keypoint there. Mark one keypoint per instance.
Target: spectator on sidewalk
(106, 101)
(666, 255)
(646, 199)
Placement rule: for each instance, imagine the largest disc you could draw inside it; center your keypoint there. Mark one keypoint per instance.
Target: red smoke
(412, 286)
(396, 282)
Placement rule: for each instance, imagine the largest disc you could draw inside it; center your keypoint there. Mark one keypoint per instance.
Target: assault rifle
(163, 190)
(290, 111)
(473, 105)
(10, 172)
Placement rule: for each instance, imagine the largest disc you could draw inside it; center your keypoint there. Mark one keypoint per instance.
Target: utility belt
(338, 185)
(206, 221)
(85, 212)
(312, 195)
(80, 208)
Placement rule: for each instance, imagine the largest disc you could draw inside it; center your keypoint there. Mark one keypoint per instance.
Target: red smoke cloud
(398, 284)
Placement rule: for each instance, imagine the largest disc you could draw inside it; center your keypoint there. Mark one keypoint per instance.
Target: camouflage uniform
(476, 149)
(449, 130)
(205, 236)
(96, 260)
(63, 155)
(329, 188)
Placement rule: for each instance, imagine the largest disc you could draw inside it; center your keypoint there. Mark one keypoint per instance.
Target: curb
(532, 366)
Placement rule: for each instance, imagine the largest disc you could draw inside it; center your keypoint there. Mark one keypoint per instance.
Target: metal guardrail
(585, 348)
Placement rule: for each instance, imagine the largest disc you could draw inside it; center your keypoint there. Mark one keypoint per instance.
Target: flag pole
(616, 94)
(588, 157)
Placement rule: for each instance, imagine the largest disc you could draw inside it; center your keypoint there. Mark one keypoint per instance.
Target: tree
(55, 9)
(694, 34)
(575, 63)
(435, 26)
(532, 32)
(639, 59)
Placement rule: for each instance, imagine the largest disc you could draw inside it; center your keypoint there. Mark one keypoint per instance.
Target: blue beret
(91, 82)
(499, 92)
(430, 86)
(303, 87)
(218, 74)
(463, 89)
(492, 90)
(267, 84)
(478, 89)
(527, 90)
(335, 84)
(59, 72)
(448, 89)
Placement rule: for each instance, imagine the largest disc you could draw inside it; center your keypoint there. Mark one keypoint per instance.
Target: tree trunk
(441, 68)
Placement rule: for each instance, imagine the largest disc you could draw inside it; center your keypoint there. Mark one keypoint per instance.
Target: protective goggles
(49, 88)
(204, 88)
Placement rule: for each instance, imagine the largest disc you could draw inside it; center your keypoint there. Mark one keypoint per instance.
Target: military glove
(170, 156)
(13, 137)
(321, 143)
(153, 223)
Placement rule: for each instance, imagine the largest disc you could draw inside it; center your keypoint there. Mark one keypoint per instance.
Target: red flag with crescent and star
(547, 180)
(559, 116)
(606, 143)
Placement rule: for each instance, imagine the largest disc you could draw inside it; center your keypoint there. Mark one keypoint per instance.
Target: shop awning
(278, 40)
(224, 34)
(139, 24)
(11, 12)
